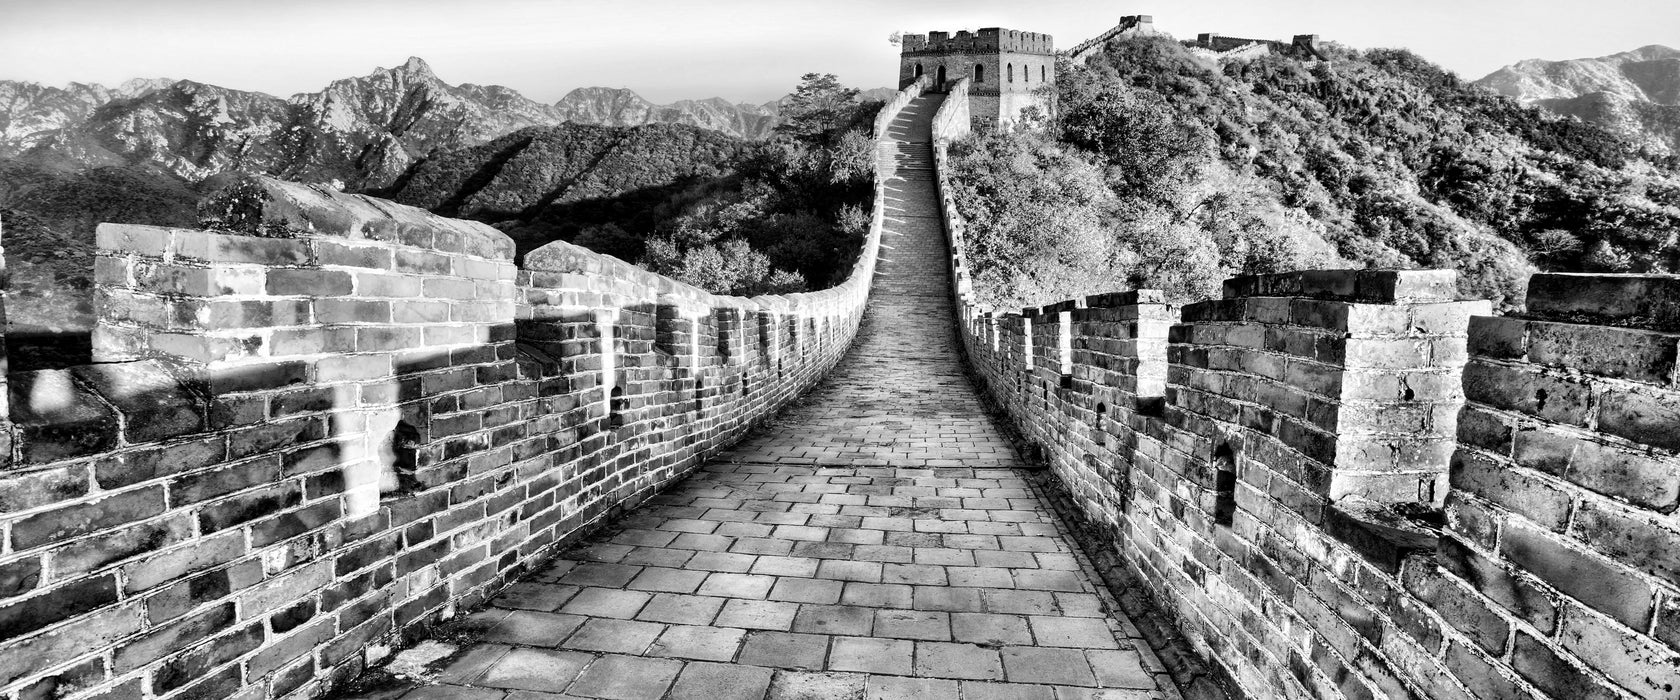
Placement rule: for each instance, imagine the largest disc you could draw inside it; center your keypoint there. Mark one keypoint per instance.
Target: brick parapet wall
(1434, 503)
(339, 421)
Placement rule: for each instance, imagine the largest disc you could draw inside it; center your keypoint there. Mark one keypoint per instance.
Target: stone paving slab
(876, 542)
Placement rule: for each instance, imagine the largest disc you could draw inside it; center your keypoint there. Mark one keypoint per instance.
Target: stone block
(1634, 355)
(1377, 286)
(1605, 585)
(314, 283)
(1651, 302)
(1643, 417)
(1540, 664)
(1554, 397)
(155, 404)
(57, 417)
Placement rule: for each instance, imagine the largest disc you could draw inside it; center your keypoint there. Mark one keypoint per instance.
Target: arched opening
(399, 453)
(1099, 434)
(1011, 72)
(1224, 486)
(979, 73)
(941, 80)
(699, 394)
(1026, 74)
(615, 408)
(918, 70)
(1041, 74)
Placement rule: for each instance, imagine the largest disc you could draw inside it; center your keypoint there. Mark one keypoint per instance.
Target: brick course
(1350, 485)
(335, 421)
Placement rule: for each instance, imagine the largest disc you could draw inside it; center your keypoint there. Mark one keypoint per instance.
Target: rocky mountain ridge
(1634, 93)
(357, 133)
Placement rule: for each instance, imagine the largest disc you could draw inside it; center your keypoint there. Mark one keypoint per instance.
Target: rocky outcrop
(1635, 93)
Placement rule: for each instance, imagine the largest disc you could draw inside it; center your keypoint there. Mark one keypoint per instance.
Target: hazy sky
(742, 50)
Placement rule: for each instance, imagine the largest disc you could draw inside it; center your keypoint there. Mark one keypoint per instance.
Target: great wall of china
(316, 434)
(1347, 484)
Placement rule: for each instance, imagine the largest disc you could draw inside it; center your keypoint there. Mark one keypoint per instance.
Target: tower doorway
(940, 83)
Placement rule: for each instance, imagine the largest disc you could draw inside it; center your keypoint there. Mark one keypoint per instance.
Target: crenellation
(332, 422)
(1352, 484)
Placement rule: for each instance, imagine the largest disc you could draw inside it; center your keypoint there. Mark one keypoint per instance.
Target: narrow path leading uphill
(874, 542)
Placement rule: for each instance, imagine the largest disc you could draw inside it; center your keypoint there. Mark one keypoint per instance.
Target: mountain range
(74, 156)
(1633, 93)
(358, 133)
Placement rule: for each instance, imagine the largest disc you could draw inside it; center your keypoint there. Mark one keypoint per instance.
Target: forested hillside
(783, 213)
(1163, 170)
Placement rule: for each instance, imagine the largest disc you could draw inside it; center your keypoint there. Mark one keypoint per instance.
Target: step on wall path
(873, 542)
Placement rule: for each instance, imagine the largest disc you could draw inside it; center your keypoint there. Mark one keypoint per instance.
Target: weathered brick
(1597, 582)
(295, 646)
(1549, 671)
(366, 256)
(1512, 591)
(1642, 417)
(1458, 605)
(91, 516)
(72, 640)
(315, 283)
(179, 598)
(352, 311)
(257, 377)
(1516, 489)
(58, 418)
(275, 436)
(151, 462)
(213, 247)
(1639, 478)
(183, 561)
(31, 490)
(1629, 537)
(1634, 662)
(243, 508)
(1481, 676)
(22, 616)
(83, 676)
(1610, 352)
(312, 341)
(154, 404)
(1630, 301)
(19, 576)
(1555, 398)
(191, 665)
(167, 639)
(205, 485)
(92, 553)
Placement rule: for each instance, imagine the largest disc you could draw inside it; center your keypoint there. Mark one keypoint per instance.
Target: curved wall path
(874, 541)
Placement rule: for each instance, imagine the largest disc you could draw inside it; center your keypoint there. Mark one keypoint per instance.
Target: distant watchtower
(1004, 66)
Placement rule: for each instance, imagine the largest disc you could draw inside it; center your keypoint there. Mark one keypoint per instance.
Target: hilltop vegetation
(1165, 171)
(783, 214)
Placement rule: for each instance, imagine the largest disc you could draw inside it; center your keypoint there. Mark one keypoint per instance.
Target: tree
(818, 107)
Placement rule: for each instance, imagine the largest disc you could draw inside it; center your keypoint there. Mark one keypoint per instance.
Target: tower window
(979, 73)
(1011, 72)
(1041, 77)
(615, 408)
(1224, 486)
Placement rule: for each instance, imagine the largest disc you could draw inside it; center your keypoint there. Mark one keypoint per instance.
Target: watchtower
(1005, 68)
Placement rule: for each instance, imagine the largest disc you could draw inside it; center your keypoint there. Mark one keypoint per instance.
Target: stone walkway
(874, 542)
